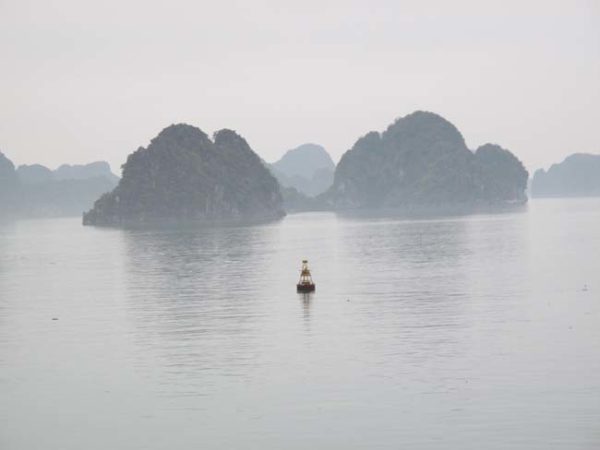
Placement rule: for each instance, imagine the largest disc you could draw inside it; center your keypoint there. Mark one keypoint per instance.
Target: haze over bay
(315, 225)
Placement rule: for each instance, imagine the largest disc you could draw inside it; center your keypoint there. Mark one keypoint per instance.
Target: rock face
(421, 160)
(577, 176)
(307, 168)
(184, 176)
(503, 178)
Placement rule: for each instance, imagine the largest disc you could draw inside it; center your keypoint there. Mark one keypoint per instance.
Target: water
(466, 332)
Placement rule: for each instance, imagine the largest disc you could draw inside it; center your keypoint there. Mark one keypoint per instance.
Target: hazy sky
(83, 81)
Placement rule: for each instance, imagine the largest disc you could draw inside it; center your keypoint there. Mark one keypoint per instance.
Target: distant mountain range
(577, 176)
(36, 191)
(308, 169)
(36, 173)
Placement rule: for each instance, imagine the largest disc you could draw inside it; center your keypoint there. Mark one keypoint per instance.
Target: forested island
(577, 176)
(421, 161)
(184, 176)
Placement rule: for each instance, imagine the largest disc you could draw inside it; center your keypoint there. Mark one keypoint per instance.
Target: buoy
(306, 283)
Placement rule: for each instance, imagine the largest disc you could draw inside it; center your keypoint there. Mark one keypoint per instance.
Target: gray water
(463, 332)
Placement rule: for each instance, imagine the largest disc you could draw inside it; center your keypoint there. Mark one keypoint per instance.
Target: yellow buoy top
(305, 276)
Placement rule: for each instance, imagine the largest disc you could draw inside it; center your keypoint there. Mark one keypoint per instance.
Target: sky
(83, 81)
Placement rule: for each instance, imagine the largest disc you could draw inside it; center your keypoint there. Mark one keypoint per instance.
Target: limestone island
(577, 176)
(421, 162)
(185, 177)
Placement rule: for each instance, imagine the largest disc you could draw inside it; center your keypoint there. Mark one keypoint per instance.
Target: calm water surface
(466, 332)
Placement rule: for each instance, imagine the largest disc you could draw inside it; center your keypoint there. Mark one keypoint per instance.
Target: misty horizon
(117, 167)
(523, 75)
(336, 225)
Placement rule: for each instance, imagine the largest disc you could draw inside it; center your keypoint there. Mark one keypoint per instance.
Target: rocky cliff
(421, 160)
(501, 177)
(185, 176)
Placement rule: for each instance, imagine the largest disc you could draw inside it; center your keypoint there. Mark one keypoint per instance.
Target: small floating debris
(55, 318)
(306, 283)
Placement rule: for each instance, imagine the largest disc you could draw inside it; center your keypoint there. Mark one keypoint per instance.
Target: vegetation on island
(422, 161)
(185, 176)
